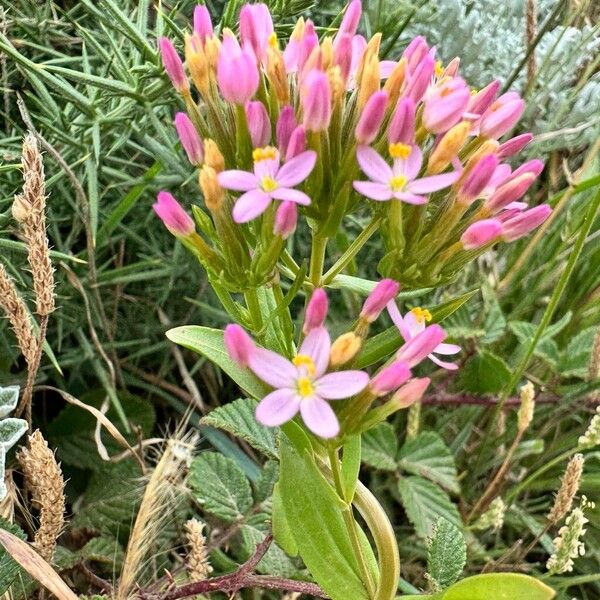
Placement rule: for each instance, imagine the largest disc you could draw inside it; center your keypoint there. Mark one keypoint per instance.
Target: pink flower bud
(352, 15)
(419, 80)
(424, 343)
(342, 55)
(514, 145)
(173, 65)
(371, 118)
(402, 124)
(484, 98)
(415, 52)
(377, 300)
(359, 45)
(534, 166)
(202, 23)
(316, 311)
(478, 179)
(175, 219)
(315, 98)
(309, 41)
(511, 190)
(286, 123)
(259, 124)
(452, 68)
(237, 73)
(411, 392)
(286, 219)
(189, 138)
(390, 378)
(502, 115)
(297, 143)
(525, 222)
(481, 233)
(239, 344)
(256, 25)
(445, 105)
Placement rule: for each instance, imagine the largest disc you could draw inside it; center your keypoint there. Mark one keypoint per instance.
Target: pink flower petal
(375, 191)
(442, 363)
(319, 417)
(341, 384)
(267, 167)
(447, 349)
(409, 167)
(433, 183)
(278, 407)
(410, 198)
(250, 205)
(291, 195)
(398, 321)
(416, 349)
(240, 181)
(272, 368)
(373, 164)
(317, 345)
(297, 169)
(414, 326)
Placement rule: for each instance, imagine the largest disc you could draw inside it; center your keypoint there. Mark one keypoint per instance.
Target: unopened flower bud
(202, 22)
(286, 219)
(509, 191)
(448, 147)
(344, 349)
(351, 18)
(297, 143)
(422, 344)
(514, 145)
(189, 138)
(415, 52)
(211, 189)
(525, 222)
(484, 98)
(385, 291)
(481, 233)
(212, 155)
(445, 105)
(419, 79)
(316, 311)
(286, 123)
(371, 118)
(402, 125)
(175, 219)
(342, 55)
(259, 124)
(256, 26)
(478, 178)
(237, 72)
(502, 115)
(534, 166)
(239, 344)
(390, 378)
(411, 392)
(315, 98)
(173, 65)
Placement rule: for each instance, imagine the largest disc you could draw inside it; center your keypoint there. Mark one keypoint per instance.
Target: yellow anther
(421, 314)
(305, 387)
(303, 360)
(400, 150)
(439, 68)
(273, 42)
(397, 183)
(267, 153)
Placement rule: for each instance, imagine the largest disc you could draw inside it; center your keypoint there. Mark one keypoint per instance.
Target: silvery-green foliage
(11, 429)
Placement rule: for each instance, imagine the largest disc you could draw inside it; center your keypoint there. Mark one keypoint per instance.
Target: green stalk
(253, 305)
(317, 259)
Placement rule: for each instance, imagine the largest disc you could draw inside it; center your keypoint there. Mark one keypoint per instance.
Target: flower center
(266, 153)
(421, 314)
(397, 183)
(268, 184)
(400, 150)
(305, 387)
(303, 360)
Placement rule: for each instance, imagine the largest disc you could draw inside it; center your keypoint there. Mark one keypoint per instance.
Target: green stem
(385, 541)
(351, 525)
(253, 305)
(396, 225)
(352, 250)
(317, 259)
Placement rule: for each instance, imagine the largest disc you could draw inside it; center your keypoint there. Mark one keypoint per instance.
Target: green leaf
(351, 466)
(427, 455)
(485, 373)
(280, 526)
(575, 358)
(238, 419)
(263, 488)
(9, 568)
(11, 430)
(499, 586)
(380, 447)
(447, 554)
(209, 343)
(424, 503)
(9, 396)
(220, 486)
(313, 513)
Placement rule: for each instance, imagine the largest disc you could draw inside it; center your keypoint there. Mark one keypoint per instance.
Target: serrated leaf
(546, 348)
(9, 396)
(575, 358)
(220, 486)
(9, 568)
(447, 553)
(424, 503)
(238, 419)
(427, 455)
(269, 474)
(499, 586)
(11, 430)
(314, 516)
(485, 373)
(380, 447)
(209, 342)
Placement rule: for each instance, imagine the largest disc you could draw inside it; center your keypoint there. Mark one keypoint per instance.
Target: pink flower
(445, 105)
(534, 166)
(256, 25)
(510, 190)
(173, 65)
(502, 115)
(371, 118)
(239, 344)
(421, 341)
(315, 98)
(402, 124)
(514, 145)
(398, 182)
(300, 48)
(286, 219)
(411, 392)
(316, 311)
(342, 55)
(522, 223)
(268, 182)
(415, 52)
(349, 23)
(237, 73)
(418, 81)
(478, 179)
(297, 143)
(390, 378)
(202, 23)
(190, 140)
(481, 233)
(259, 123)
(304, 385)
(384, 292)
(176, 220)
(286, 123)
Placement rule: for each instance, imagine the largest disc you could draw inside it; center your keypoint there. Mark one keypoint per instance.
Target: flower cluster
(322, 128)
(317, 372)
